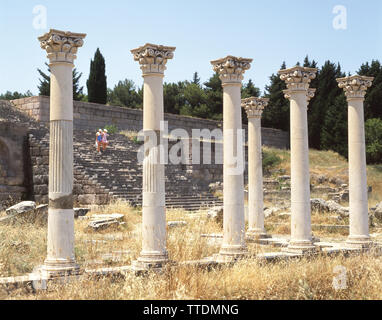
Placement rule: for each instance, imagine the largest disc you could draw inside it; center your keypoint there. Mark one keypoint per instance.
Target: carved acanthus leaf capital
(153, 58)
(231, 69)
(355, 86)
(61, 46)
(298, 78)
(254, 106)
(310, 92)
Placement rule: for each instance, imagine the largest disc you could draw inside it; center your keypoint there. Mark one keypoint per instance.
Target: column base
(255, 234)
(147, 261)
(301, 247)
(231, 253)
(359, 242)
(58, 268)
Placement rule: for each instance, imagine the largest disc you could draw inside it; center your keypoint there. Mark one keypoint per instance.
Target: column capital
(61, 46)
(231, 69)
(254, 106)
(309, 93)
(355, 86)
(153, 58)
(298, 78)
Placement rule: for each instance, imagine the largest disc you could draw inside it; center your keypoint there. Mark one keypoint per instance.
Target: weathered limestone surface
(153, 59)
(254, 109)
(297, 80)
(231, 70)
(61, 48)
(355, 88)
(13, 142)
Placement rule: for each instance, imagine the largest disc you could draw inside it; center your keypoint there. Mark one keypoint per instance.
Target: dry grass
(306, 279)
(23, 247)
(131, 135)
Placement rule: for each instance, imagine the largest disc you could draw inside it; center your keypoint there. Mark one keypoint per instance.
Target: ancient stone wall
(12, 160)
(94, 116)
(85, 190)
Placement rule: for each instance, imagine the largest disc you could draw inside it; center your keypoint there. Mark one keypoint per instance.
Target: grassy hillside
(331, 164)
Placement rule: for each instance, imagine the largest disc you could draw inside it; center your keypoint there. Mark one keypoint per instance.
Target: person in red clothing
(104, 140)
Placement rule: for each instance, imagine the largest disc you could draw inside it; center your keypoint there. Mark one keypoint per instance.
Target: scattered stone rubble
(104, 221)
(28, 211)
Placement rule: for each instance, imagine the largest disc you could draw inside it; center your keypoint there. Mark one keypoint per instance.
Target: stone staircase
(118, 172)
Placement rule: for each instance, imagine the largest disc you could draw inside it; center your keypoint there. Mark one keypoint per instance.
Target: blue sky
(202, 30)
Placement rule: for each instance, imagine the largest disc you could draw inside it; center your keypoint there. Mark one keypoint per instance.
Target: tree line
(327, 115)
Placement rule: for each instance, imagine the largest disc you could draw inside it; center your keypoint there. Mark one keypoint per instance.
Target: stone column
(297, 80)
(355, 89)
(254, 109)
(231, 70)
(61, 48)
(153, 59)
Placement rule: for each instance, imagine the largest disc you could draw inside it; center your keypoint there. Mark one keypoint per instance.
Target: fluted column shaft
(61, 214)
(298, 92)
(255, 178)
(358, 199)
(61, 48)
(231, 70)
(301, 233)
(355, 88)
(233, 179)
(153, 59)
(153, 196)
(254, 108)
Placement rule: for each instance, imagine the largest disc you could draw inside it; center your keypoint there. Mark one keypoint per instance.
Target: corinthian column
(355, 89)
(153, 59)
(231, 70)
(254, 109)
(61, 48)
(297, 80)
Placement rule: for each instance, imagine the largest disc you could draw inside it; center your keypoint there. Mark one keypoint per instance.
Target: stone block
(87, 199)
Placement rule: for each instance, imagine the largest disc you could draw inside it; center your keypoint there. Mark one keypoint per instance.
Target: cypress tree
(97, 87)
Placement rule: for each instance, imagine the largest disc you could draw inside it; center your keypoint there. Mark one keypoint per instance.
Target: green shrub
(111, 129)
(373, 136)
(270, 160)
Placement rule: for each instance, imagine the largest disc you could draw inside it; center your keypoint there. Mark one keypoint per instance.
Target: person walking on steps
(104, 140)
(99, 140)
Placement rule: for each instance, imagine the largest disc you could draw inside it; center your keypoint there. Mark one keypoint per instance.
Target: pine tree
(308, 63)
(196, 79)
(173, 97)
(124, 94)
(276, 114)
(373, 98)
(78, 94)
(195, 102)
(334, 128)
(214, 97)
(325, 96)
(44, 86)
(249, 90)
(15, 95)
(97, 86)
